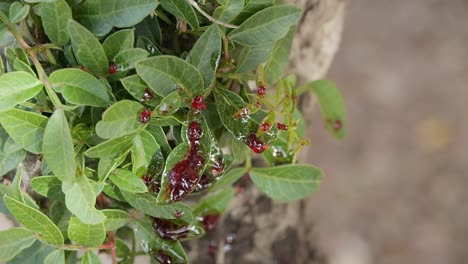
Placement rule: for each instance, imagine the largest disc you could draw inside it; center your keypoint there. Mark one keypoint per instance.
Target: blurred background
(396, 189)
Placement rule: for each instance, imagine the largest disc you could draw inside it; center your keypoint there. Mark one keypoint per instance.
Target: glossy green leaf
(229, 10)
(17, 87)
(127, 181)
(144, 147)
(136, 87)
(248, 58)
(147, 203)
(35, 221)
(111, 148)
(58, 146)
(14, 240)
(288, 182)
(279, 58)
(90, 258)
(251, 7)
(88, 49)
(148, 241)
(215, 203)
(126, 59)
(119, 41)
(80, 200)
(55, 257)
(331, 106)
(228, 179)
(55, 16)
(86, 234)
(182, 10)
(26, 128)
(48, 186)
(115, 219)
(101, 15)
(79, 87)
(164, 74)
(120, 119)
(169, 104)
(206, 53)
(18, 12)
(268, 25)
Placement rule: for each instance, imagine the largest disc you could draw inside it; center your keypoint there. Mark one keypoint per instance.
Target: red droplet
(145, 116)
(210, 221)
(178, 214)
(265, 126)
(281, 126)
(258, 104)
(338, 125)
(112, 68)
(199, 103)
(163, 258)
(255, 144)
(195, 131)
(147, 95)
(261, 90)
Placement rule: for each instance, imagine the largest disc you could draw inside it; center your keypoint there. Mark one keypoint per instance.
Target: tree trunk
(255, 229)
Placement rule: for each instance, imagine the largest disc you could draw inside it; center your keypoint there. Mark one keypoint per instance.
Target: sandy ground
(397, 186)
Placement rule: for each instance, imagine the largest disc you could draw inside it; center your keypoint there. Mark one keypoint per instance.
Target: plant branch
(210, 18)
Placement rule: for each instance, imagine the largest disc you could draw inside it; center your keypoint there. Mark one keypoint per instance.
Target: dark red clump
(163, 258)
(199, 103)
(210, 221)
(261, 90)
(147, 95)
(265, 126)
(338, 125)
(178, 214)
(145, 116)
(204, 183)
(281, 126)
(148, 180)
(218, 168)
(182, 180)
(212, 248)
(155, 186)
(195, 131)
(255, 144)
(112, 68)
(170, 230)
(197, 161)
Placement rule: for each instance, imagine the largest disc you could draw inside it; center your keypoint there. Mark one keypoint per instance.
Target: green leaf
(147, 203)
(88, 50)
(136, 87)
(79, 87)
(87, 235)
(17, 87)
(55, 16)
(18, 12)
(331, 106)
(248, 58)
(169, 104)
(206, 53)
(229, 10)
(14, 240)
(126, 59)
(101, 15)
(160, 136)
(55, 257)
(90, 258)
(34, 254)
(127, 181)
(48, 186)
(182, 10)
(149, 29)
(144, 147)
(149, 242)
(111, 148)
(35, 221)
(279, 58)
(215, 203)
(119, 41)
(9, 161)
(229, 178)
(80, 200)
(115, 219)
(266, 26)
(251, 7)
(287, 182)
(120, 119)
(26, 128)
(58, 146)
(166, 73)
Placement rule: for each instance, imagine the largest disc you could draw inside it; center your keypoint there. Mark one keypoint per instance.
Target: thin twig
(212, 19)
